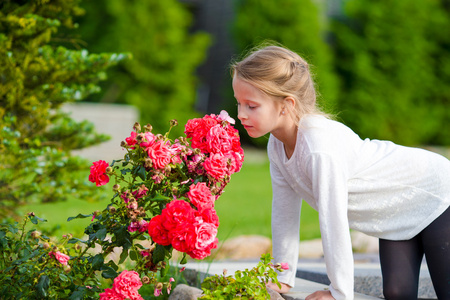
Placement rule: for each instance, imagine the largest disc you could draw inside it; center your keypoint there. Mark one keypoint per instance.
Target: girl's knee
(396, 292)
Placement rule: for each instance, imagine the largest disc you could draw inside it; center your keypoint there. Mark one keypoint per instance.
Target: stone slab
(368, 279)
(114, 120)
(196, 271)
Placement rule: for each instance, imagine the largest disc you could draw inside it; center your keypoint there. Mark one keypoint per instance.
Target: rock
(274, 295)
(363, 243)
(311, 249)
(244, 247)
(185, 292)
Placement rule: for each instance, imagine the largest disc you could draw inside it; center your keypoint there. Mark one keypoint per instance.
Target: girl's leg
(400, 266)
(436, 244)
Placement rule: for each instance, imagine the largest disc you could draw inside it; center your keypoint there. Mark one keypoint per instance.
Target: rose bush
(164, 195)
(165, 192)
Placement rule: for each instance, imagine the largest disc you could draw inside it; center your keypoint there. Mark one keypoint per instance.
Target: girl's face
(258, 112)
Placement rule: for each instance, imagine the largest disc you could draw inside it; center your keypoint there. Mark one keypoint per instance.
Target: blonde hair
(282, 73)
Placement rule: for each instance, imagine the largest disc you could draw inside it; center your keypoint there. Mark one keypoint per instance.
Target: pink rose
(200, 196)
(237, 159)
(61, 257)
(223, 116)
(110, 294)
(157, 232)
(160, 154)
(285, 266)
(216, 166)
(140, 192)
(148, 140)
(218, 140)
(127, 284)
(98, 173)
(140, 226)
(206, 235)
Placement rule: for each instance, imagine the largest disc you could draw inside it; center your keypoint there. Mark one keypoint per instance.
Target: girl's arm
(285, 225)
(329, 183)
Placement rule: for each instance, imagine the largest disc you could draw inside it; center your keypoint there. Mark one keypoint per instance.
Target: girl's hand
(284, 287)
(320, 295)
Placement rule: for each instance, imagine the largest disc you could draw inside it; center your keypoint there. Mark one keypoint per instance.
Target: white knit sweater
(376, 187)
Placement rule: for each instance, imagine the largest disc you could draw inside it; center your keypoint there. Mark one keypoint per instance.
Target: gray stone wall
(112, 119)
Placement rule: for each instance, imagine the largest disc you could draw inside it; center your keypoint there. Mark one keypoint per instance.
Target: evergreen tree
(37, 76)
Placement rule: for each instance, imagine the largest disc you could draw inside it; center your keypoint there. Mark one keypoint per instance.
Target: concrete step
(311, 276)
(196, 271)
(368, 279)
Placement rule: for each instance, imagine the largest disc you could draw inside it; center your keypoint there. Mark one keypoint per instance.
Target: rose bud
(148, 127)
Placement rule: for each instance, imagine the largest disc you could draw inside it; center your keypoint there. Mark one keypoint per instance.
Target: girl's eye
(251, 107)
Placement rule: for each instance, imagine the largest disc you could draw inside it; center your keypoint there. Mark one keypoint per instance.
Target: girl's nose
(241, 114)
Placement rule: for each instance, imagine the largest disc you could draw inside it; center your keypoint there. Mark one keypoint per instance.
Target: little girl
(400, 195)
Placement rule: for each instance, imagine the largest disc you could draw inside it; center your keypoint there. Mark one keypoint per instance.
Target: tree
(38, 75)
(160, 80)
(392, 57)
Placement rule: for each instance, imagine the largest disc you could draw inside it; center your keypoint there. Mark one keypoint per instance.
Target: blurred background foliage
(382, 67)
(160, 79)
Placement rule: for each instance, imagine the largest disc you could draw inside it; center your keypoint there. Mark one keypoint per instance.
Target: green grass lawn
(243, 209)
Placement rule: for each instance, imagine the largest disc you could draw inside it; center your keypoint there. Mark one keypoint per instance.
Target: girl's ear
(289, 102)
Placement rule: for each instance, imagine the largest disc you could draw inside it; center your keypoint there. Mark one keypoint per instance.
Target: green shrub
(37, 76)
(393, 59)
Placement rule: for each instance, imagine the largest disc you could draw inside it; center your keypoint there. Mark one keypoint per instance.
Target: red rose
(177, 212)
(200, 196)
(209, 215)
(160, 154)
(184, 237)
(131, 140)
(98, 173)
(157, 232)
(216, 166)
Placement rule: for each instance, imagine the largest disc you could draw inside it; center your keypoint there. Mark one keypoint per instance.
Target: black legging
(400, 261)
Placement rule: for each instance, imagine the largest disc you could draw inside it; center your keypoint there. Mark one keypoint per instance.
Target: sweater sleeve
(329, 184)
(285, 225)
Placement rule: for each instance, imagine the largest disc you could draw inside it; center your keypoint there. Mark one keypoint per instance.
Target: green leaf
(97, 262)
(79, 216)
(183, 259)
(63, 277)
(133, 255)
(101, 234)
(159, 253)
(78, 295)
(108, 272)
(42, 286)
(36, 220)
(140, 171)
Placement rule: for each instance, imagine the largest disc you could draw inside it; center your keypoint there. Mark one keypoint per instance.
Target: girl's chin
(254, 134)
